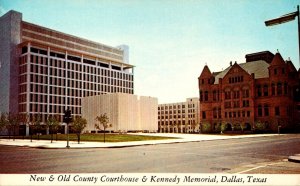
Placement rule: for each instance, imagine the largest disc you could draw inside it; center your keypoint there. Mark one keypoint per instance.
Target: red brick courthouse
(264, 91)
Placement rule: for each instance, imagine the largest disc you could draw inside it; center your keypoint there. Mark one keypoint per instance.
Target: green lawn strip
(98, 137)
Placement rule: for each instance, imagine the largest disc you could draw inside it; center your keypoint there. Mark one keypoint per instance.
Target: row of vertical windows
(216, 95)
(171, 123)
(175, 111)
(237, 114)
(276, 89)
(62, 56)
(209, 81)
(236, 104)
(217, 112)
(172, 117)
(236, 79)
(276, 70)
(38, 60)
(51, 79)
(228, 94)
(34, 68)
(236, 94)
(262, 109)
(203, 97)
(172, 107)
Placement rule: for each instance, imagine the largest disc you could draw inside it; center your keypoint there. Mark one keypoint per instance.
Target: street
(245, 155)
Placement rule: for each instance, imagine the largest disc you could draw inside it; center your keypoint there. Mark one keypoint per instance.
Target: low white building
(126, 112)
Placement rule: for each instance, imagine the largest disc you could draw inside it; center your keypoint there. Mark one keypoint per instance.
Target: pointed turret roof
(277, 60)
(291, 66)
(205, 72)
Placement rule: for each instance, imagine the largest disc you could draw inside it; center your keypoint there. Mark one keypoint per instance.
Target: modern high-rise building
(44, 71)
(264, 91)
(181, 117)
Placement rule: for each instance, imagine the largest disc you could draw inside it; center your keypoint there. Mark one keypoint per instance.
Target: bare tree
(104, 122)
(79, 124)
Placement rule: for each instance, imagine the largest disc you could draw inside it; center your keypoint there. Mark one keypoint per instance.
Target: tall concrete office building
(44, 71)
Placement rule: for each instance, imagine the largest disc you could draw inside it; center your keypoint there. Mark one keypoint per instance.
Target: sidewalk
(295, 158)
(181, 138)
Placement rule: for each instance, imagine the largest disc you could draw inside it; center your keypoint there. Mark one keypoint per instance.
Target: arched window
(285, 88)
(227, 94)
(201, 95)
(245, 92)
(215, 113)
(273, 89)
(259, 111)
(258, 88)
(266, 91)
(279, 88)
(266, 110)
(206, 96)
(214, 95)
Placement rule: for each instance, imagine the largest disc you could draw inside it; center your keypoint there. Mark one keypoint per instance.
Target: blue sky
(171, 40)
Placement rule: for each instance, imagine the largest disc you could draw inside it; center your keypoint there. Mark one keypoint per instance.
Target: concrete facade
(250, 94)
(181, 117)
(126, 112)
(10, 28)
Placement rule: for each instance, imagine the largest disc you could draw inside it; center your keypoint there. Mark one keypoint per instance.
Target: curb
(41, 146)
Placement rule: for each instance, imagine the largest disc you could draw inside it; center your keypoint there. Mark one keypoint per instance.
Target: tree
(237, 126)
(243, 126)
(3, 120)
(205, 127)
(223, 127)
(25, 120)
(103, 121)
(79, 124)
(56, 126)
(36, 123)
(13, 123)
(260, 126)
(52, 124)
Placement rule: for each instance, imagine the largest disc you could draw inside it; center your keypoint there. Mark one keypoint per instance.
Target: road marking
(258, 167)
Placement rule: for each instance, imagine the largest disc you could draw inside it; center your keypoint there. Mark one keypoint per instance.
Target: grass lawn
(98, 137)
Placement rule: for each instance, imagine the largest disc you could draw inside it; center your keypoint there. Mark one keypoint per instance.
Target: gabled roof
(259, 68)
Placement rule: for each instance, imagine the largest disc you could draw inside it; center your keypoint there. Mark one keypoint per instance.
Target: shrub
(205, 127)
(223, 126)
(237, 127)
(260, 126)
(218, 128)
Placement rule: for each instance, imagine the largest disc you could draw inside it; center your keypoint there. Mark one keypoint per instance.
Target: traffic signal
(67, 116)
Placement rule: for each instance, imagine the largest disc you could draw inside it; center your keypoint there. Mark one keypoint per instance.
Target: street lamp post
(286, 18)
(67, 119)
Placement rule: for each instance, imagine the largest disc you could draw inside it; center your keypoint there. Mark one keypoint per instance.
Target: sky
(170, 41)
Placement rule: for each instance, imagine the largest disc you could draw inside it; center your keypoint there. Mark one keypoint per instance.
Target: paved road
(249, 155)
